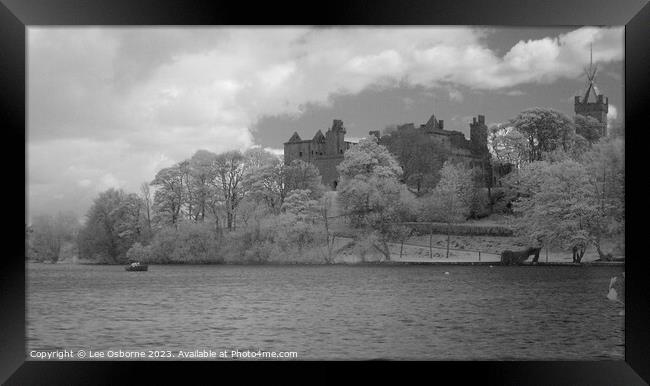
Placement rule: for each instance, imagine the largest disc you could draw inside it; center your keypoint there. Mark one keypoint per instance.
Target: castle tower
(478, 135)
(599, 107)
(336, 138)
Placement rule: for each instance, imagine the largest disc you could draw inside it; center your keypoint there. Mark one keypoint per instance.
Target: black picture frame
(17, 15)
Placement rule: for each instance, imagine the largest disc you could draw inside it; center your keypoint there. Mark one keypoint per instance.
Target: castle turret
(478, 135)
(336, 145)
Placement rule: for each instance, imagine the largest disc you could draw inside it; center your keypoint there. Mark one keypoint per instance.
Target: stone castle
(326, 151)
(472, 152)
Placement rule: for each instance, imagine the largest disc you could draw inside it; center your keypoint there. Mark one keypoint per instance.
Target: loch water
(411, 312)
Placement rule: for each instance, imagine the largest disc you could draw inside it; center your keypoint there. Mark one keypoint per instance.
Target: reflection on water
(329, 312)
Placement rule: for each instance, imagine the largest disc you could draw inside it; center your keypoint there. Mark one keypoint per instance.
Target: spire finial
(591, 75)
(591, 54)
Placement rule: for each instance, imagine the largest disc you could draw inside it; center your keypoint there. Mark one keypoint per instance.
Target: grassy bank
(286, 242)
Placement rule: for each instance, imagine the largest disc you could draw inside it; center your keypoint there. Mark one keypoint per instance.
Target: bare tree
(325, 207)
(145, 192)
(49, 234)
(230, 168)
(169, 197)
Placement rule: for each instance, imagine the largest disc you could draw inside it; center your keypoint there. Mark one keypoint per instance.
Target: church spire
(600, 106)
(591, 77)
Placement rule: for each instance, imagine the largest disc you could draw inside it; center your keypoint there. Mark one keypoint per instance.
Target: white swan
(617, 289)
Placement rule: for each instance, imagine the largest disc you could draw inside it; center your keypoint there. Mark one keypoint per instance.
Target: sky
(109, 107)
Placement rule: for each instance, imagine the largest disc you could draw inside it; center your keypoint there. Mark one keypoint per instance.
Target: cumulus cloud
(612, 114)
(456, 95)
(277, 152)
(109, 106)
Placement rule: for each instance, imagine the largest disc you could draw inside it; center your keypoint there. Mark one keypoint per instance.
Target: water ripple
(330, 312)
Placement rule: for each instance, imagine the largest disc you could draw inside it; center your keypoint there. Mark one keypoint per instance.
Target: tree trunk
(330, 249)
(578, 253)
(603, 256)
(217, 228)
(229, 220)
(490, 198)
(387, 249)
(329, 239)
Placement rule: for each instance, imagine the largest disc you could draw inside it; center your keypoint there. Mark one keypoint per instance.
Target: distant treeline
(565, 188)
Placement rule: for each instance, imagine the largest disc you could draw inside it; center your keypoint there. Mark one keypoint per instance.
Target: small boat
(137, 267)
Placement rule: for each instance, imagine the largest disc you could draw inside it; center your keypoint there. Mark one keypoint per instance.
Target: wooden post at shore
(448, 236)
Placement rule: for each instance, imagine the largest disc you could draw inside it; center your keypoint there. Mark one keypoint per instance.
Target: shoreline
(377, 263)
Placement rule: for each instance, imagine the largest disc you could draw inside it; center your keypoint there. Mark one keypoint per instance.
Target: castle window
(341, 151)
(300, 154)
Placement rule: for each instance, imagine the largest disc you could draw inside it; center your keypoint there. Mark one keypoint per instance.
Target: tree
(229, 171)
(508, 145)
(188, 201)
(139, 253)
(301, 175)
(455, 198)
(386, 220)
(299, 203)
(325, 205)
(562, 213)
(605, 165)
(272, 182)
(187, 243)
(202, 173)
(370, 193)
(420, 156)
(257, 157)
(50, 234)
(216, 206)
(267, 183)
(545, 130)
(368, 158)
(573, 204)
(145, 196)
(169, 195)
(250, 208)
(112, 225)
(369, 181)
